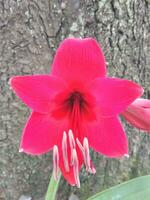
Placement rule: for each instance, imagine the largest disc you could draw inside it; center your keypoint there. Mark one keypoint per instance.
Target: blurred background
(30, 32)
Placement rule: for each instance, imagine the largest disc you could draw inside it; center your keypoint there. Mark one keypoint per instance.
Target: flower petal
(113, 95)
(107, 137)
(138, 114)
(40, 134)
(79, 59)
(37, 91)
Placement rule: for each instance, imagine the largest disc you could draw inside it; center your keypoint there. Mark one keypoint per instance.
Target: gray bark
(30, 32)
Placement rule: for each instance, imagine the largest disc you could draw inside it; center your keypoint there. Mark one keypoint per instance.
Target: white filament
(72, 144)
(76, 168)
(55, 162)
(64, 151)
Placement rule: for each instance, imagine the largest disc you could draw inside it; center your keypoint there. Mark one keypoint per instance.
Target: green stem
(52, 188)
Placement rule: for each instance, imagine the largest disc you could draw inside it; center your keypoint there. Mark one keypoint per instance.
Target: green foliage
(135, 189)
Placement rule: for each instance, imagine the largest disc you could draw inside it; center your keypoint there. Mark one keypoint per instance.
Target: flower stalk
(52, 188)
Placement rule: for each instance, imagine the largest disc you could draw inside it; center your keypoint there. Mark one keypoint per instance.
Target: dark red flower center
(76, 99)
(75, 104)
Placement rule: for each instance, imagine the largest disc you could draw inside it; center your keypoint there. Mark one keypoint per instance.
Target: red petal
(37, 91)
(138, 114)
(79, 59)
(40, 134)
(107, 136)
(114, 95)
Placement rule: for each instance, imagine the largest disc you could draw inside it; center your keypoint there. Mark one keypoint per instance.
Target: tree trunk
(30, 32)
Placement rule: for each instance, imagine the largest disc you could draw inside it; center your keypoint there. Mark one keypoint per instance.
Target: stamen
(76, 168)
(87, 153)
(72, 144)
(71, 139)
(82, 150)
(80, 145)
(64, 151)
(55, 162)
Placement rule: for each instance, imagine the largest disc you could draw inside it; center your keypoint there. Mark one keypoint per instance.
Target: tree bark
(30, 32)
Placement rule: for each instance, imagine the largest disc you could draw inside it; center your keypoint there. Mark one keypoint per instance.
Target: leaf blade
(138, 188)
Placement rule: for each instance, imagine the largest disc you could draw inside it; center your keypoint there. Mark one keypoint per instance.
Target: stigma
(70, 147)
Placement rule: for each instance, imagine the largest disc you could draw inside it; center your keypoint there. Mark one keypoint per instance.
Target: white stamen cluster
(73, 161)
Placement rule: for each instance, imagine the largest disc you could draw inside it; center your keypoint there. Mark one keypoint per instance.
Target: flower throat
(77, 107)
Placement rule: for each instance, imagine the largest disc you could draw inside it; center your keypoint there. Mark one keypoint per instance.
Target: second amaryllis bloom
(138, 114)
(75, 107)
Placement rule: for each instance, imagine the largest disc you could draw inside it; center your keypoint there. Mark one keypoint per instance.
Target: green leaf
(135, 189)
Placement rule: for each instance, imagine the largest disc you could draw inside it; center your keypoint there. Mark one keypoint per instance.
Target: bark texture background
(30, 32)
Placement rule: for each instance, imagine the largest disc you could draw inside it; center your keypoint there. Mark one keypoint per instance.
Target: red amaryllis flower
(75, 107)
(138, 114)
